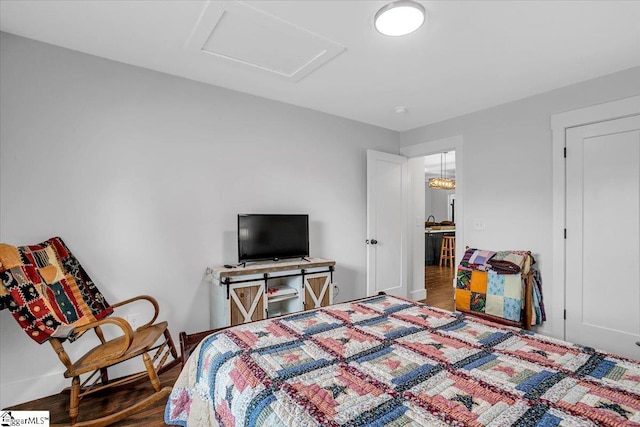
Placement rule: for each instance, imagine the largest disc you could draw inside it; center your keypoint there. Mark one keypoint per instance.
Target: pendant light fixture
(442, 182)
(399, 18)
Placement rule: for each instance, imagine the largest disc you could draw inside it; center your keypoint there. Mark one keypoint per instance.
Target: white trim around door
(560, 122)
(416, 238)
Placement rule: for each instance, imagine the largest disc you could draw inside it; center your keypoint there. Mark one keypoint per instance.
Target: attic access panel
(237, 32)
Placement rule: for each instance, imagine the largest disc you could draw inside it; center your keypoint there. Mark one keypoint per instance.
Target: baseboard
(543, 331)
(418, 295)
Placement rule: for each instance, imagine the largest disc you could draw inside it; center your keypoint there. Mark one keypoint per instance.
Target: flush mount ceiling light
(399, 18)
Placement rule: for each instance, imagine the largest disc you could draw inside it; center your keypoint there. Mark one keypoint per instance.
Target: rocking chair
(53, 299)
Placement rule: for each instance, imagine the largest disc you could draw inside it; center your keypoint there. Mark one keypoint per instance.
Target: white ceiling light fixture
(400, 18)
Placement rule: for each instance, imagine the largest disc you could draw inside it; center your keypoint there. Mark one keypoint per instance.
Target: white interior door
(387, 204)
(603, 235)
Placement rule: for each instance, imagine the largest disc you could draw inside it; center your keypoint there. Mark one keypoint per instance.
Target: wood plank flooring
(438, 283)
(102, 404)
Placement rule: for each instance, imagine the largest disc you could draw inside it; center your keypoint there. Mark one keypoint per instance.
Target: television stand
(255, 292)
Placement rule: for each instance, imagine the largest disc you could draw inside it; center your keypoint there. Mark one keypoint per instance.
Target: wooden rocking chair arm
(119, 322)
(149, 298)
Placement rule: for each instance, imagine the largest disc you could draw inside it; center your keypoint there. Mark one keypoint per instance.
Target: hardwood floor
(97, 405)
(438, 282)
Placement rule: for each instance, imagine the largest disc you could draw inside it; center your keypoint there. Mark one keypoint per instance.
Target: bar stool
(448, 251)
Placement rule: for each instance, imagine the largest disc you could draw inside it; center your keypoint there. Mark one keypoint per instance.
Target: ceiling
(325, 55)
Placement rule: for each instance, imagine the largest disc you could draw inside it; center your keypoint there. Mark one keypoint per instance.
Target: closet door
(603, 235)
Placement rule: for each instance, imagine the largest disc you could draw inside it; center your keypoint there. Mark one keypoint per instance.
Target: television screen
(263, 237)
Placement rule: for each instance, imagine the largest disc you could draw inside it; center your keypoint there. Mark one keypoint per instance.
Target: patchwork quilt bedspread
(386, 361)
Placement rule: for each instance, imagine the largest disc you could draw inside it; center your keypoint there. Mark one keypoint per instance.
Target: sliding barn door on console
(603, 235)
(387, 204)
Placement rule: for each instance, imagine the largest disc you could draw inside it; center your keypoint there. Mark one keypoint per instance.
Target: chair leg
(74, 399)
(174, 353)
(172, 346)
(104, 375)
(447, 252)
(452, 244)
(153, 375)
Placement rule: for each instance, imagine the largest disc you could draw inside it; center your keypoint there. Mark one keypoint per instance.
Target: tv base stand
(262, 290)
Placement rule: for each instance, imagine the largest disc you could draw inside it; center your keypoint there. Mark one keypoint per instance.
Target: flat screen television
(272, 237)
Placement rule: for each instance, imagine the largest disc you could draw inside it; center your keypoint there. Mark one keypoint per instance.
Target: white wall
(415, 273)
(143, 174)
(437, 203)
(507, 177)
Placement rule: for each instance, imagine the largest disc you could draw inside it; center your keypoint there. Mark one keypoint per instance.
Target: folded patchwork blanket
(521, 259)
(491, 283)
(476, 259)
(504, 266)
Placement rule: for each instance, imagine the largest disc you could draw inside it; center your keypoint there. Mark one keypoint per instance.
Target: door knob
(374, 242)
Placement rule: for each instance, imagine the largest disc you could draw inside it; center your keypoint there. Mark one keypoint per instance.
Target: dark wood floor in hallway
(438, 282)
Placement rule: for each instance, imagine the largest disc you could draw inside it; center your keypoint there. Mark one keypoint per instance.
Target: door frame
(560, 122)
(416, 289)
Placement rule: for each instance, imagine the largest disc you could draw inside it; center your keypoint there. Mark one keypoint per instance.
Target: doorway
(423, 283)
(439, 212)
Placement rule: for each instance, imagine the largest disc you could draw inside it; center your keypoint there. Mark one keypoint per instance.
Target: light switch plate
(479, 224)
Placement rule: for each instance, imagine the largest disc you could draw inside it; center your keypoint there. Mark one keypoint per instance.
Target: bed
(387, 361)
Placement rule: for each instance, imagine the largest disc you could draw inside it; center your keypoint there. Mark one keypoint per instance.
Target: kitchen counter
(440, 230)
(432, 242)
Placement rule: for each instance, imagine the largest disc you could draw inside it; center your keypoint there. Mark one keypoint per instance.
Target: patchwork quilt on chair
(387, 361)
(491, 284)
(47, 291)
